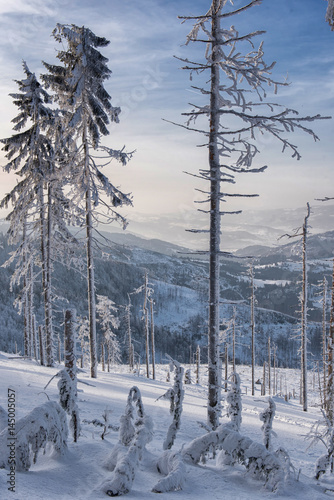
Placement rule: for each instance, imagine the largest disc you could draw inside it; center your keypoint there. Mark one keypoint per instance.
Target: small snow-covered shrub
(105, 423)
(172, 465)
(45, 424)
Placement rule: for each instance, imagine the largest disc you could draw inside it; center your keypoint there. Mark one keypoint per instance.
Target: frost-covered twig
(105, 424)
(44, 424)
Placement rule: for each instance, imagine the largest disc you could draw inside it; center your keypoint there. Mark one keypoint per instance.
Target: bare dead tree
(330, 371)
(303, 232)
(231, 123)
(252, 305)
(324, 335)
(151, 301)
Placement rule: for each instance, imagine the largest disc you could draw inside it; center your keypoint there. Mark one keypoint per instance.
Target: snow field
(80, 472)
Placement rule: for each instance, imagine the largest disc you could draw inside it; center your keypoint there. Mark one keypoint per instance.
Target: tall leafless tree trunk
(304, 313)
(233, 342)
(324, 336)
(251, 273)
(215, 177)
(330, 372)
(269, 367)
(152, 338)
(198, 364)
(130, 346)
(147, 335)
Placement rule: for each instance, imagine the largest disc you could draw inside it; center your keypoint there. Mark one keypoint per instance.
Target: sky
(149, 86)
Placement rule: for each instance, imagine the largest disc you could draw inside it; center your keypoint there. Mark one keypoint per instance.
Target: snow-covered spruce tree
(24, 257)
(30, 156)
(125, 456)
(239, 97)
(105, 309)
(79, 87)
(267, 417)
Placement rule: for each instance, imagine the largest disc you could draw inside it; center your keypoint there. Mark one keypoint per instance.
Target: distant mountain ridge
(319, 246)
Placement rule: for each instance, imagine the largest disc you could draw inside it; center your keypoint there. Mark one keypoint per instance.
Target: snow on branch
(45, 424)
(172, 466)
(259, 462)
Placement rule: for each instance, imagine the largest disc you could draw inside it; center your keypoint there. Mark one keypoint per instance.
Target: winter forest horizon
(227, 290)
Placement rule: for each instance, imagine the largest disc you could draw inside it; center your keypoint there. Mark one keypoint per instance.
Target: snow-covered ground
(80, 473)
